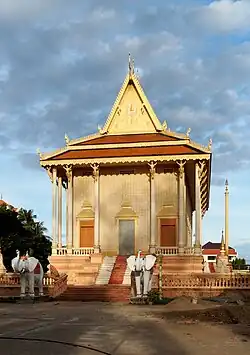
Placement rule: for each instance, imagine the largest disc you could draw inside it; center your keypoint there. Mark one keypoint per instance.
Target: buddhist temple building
(134, 184)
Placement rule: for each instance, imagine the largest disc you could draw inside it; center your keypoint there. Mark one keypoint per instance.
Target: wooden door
(87, 234)
(168, 232)
(126, 237)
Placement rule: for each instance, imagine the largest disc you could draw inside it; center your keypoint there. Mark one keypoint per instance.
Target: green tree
(238, 262)
(20, 230)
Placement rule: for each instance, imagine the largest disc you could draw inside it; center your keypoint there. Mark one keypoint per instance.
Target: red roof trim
(128, 138)
(126, 152)
(217, 252)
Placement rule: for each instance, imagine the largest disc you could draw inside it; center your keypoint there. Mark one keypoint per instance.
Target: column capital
(181, 170)
(200, 164)
(49, 170)
(152, 166)
(68, 170)
(96, 171)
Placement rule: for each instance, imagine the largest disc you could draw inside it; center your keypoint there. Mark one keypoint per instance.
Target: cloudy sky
(62, 63)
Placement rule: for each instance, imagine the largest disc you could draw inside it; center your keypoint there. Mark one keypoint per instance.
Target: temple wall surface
(133, 189)
(83, 187)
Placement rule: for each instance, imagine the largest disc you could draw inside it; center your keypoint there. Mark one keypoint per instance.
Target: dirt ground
(77, 328)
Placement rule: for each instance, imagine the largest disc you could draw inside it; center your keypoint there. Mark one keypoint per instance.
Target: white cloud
(101, 14)
(225, 15)
(13, 9)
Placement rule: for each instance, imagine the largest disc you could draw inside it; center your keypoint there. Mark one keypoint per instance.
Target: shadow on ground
(79, 328)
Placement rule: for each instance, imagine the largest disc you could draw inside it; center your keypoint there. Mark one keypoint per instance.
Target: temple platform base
(84, 269)
(81, 270)
(188, 264)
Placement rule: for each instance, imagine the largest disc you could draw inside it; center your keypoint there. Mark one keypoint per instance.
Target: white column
(66, 212)
(198, 215)
(181, 204)
(59, 211)
(96, 176)
(69, 209)
(2, 267)
(152, 245)
(54, 212)
(226, 217)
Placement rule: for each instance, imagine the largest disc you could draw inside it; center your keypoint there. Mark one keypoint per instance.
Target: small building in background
(4, 203)
(210, 251)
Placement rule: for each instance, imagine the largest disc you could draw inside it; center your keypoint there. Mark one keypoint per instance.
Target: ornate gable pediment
(126, 211)
(86, 211)
(132, 112)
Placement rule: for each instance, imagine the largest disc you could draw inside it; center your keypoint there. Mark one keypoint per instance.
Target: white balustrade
(173, 251)
(167, 251)
(189, 251)
(10, 279)
(61, 251)
(83, 251)
(196, 281)
(75, 251)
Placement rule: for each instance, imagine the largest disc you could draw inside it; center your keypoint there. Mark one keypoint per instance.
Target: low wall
(10, 279)
(10, 285)
(201, 285)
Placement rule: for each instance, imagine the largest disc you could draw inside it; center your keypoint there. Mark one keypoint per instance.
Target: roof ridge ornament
(210, 143)
(188, 132)
(164, 125)
(131, 65)
(67, 140)
(38, 152)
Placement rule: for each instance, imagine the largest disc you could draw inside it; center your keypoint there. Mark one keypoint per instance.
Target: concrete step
(105, 270)
(14, 291)
(107, 293)
(127, 277)
(118, 270)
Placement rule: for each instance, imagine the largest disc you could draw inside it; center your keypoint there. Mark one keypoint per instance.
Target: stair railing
(60, 286)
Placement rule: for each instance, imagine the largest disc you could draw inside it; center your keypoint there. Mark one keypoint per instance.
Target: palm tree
(27, 218)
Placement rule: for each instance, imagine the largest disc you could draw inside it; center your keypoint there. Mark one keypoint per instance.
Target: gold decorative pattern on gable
(132, 112)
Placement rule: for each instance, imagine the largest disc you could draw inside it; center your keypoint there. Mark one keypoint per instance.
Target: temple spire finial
(131, 65)
(222, 247)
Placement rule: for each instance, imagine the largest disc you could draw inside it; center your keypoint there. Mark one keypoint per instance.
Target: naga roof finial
(131, 65)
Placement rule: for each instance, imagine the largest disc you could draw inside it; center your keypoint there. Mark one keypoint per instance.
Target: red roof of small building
(4, 203)
(211, 248)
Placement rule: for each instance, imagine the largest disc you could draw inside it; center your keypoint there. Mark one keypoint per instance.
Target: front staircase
(105, 270)
(118, 272)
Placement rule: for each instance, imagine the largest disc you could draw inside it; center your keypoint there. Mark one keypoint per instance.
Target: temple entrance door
(87, 234)
(126, 237)
(168, 232)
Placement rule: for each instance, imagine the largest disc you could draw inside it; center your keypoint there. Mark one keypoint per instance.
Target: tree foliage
(239, 261)
(20, 230)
